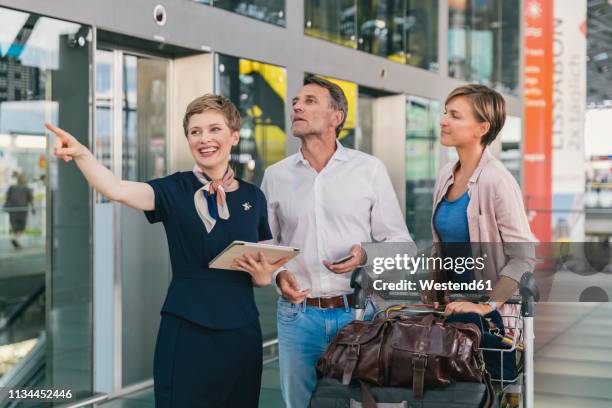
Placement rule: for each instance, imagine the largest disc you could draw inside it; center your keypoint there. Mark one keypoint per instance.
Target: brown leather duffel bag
(406, 351)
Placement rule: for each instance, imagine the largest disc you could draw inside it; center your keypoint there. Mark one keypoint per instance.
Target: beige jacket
(497, 220)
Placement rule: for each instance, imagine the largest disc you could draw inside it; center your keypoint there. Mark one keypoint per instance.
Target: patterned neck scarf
(210, 199)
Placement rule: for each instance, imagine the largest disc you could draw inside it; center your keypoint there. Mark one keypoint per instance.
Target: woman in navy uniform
(209, 346)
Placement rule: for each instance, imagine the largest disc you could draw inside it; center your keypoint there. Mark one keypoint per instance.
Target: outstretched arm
(133, 194)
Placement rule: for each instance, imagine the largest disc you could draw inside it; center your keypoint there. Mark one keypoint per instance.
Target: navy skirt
(200, 367)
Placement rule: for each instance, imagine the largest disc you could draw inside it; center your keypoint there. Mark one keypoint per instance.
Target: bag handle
(351, 364)
(419, 308)
(419, 360)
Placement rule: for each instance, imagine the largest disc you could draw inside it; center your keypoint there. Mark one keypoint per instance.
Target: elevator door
(131, 257)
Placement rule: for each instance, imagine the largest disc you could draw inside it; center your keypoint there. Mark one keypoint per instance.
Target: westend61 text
(405, 285)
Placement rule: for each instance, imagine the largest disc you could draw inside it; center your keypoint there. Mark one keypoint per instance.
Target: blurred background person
(18, 198)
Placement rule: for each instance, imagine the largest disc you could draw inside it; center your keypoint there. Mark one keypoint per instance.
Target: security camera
(159, 15)
(76, 40)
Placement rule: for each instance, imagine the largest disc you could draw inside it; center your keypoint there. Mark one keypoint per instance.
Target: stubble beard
(306, 133)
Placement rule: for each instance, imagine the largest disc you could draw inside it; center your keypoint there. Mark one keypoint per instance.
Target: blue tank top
(451, 224)
(451, 221)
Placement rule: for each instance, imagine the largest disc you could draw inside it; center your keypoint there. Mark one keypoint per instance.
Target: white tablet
(238, 248)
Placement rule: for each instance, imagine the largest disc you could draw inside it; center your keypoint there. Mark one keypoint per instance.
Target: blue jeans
(303, 334)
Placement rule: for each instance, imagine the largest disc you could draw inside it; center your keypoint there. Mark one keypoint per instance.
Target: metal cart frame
(523, 330)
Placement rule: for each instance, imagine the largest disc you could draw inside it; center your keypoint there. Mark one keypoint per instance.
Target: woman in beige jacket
(477, 201)
(478, 213)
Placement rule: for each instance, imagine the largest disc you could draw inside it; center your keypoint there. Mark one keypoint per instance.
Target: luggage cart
(521, 326)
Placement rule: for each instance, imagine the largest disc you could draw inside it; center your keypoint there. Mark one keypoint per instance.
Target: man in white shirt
(326, 200)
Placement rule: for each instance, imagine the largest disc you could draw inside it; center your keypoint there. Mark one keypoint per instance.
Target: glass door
(131, 139)
(45, 288)
(422, 132)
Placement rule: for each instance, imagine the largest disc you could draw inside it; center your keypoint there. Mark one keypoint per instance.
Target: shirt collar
(484, 159)
(299, 157)
(341, 154)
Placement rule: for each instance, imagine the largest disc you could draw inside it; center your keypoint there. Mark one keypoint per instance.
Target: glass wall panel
(144, 134)
(381, 29)
(259, 91)
(270, 11)
(483, 42)
(332, 20)
(45, 268)
(510, 43)
(404, 31)
(104, 100)
(421, 33)
(422, 133)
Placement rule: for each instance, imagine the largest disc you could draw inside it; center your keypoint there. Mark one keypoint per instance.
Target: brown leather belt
(329, 303)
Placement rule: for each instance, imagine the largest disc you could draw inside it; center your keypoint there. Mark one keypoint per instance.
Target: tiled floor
(573, 363)
(269, 398)
(142, 399)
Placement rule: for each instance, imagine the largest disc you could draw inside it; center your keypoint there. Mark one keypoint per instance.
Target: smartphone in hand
(341, 260)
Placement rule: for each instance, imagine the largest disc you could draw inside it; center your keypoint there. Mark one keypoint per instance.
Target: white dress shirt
(349, 202)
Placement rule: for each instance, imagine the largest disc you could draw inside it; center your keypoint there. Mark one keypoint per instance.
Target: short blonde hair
(215, 103)
(488, 106)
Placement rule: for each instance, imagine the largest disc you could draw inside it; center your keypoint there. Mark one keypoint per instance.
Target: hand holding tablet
(237, 249)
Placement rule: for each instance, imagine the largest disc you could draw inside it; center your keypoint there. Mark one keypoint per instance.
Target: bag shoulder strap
(367, 399)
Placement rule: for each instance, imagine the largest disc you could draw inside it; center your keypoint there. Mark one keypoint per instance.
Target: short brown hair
(337, 97)
(216, 103)
(488, 105)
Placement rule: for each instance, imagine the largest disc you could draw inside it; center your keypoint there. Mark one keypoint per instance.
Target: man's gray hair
(337, 97)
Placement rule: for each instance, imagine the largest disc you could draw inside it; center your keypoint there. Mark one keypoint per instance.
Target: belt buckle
(319, 300)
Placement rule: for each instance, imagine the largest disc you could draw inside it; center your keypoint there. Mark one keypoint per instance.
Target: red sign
(538, 102)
